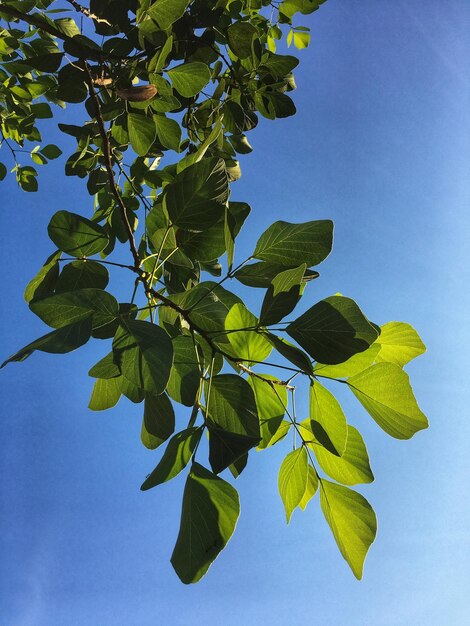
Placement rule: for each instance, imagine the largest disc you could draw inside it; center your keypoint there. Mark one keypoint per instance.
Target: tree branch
(109, 166)
(87, 12)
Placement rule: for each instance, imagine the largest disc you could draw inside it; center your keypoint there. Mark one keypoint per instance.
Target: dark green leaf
(82, 275)
(271, 400)
(105, 368)
(166, 12)
(142, 132)
(261, 274)
(159, 420)
(240, 37)
(208, 519)
(65, 308)
(189, 78)
(232, 419)
(183, 383)
(144, 354)
(76, 235)
(177, 455)
(44, 282)
(292, 244)
(196, 199)
(282, 295)
(168, 132)
(59, 341)
(293, 354)
(333, 330)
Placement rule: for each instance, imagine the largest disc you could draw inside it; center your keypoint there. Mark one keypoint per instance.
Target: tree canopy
(165, 94)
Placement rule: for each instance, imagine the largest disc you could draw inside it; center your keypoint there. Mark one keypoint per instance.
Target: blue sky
(380, 145)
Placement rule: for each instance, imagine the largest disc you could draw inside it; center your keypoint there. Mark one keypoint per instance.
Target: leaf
(355, 364)
(271, 401)
(82, 275)
(282, 296)
(159, 420)
(293, 244)
(327, 419)
(237, 467)
(105, 394)
(44, 282)
(196, 199)
(352, 521)
(399, 343)
(168, 132)
(183, 383)
(59, 341)
(240, 37)
(385, 392)
(333, 330)
(311, 490)
(166, 12)
(232, 419)
(142, 132)
(105, 368)
(235, 216)
(76, 235)
(293, 478)
(177, 455)
(189, 78)
(261, 274)
(210, 512)
(293, 354)
(280, 65)
(353, 466)
(208, 305)
(62, 309)
(144, 354)
(51, 151)
(249, 344)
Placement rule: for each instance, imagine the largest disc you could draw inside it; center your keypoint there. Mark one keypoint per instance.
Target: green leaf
(142, 132)
(189, 78)
(293, 354)
(301, 40)
(352, 522)
(183, 383)
(166, 12)
(237, 467)
(144, 354)
(271, 400)
(293, 479)
(203, 246)
(82, 275)
(197, 197)
(333, 330)
(59, 341)
(235, 216)
(282, 295)
(247, 344)
(399, 343)
(292, 244)
(210, 512)
(168, 132)
(232, 419)
(261, 274)
(355, 364)
(72, 306)
(158, 422)
(353, 466)
(105, 368)
(311, 490)
(385, 392)
(51, 151)
(76, 235)
(280, 65)
(208, 305)
(177, 455)
(44, 282)
(327, 419)
(105, 394)
(240, 37)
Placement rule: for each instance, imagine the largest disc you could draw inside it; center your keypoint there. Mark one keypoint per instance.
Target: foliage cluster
(171, 89)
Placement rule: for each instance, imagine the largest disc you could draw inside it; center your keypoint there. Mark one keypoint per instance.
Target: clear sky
(381, 145)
